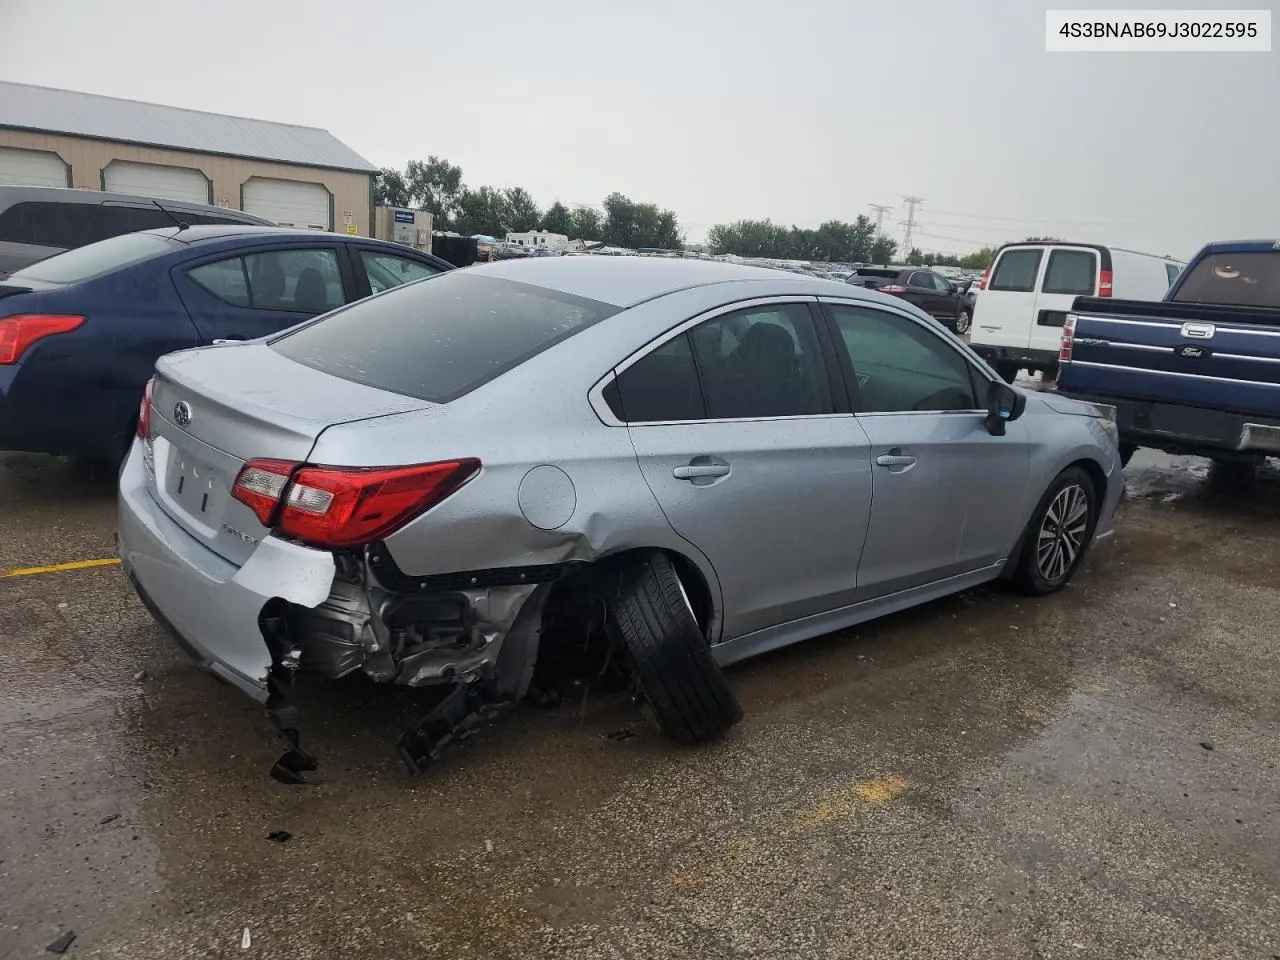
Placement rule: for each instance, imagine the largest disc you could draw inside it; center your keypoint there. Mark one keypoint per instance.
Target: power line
(910, 222)
(1065, 223)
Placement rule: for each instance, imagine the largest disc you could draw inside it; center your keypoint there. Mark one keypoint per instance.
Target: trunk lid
(215, 408)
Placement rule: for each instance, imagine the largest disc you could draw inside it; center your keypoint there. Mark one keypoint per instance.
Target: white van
(1025, 294)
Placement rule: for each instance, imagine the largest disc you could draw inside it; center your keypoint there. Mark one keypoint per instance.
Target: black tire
(1042, 571)
(1127, 450)
(1008, 370)
(650, 612)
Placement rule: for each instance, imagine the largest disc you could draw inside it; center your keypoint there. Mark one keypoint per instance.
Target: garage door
(31, 168)
(155, 180)
(290, 203)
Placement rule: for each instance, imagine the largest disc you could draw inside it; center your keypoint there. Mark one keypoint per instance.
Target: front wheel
(1059, 533)
(963, 320)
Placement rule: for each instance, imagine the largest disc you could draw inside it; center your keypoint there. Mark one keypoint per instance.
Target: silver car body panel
(836, 537)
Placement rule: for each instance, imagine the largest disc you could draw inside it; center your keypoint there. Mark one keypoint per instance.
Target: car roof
(201, 233)
(1241, 246)
(16, 193)
(627, 281)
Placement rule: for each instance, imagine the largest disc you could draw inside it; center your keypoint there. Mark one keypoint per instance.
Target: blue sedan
(80, 332)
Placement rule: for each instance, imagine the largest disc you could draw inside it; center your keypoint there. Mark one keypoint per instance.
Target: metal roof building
(293, 175)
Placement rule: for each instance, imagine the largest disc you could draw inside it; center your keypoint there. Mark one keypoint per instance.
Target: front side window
(940, 283)
(386, 270)
(1016, 271)
(1071, 272)
(899, 366)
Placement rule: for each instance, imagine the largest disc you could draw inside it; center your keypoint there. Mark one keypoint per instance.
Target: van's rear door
(1004, 308)
(1068, 272)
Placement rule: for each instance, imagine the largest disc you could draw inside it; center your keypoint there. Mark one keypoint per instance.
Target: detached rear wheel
(651, 614)
(1059, 533)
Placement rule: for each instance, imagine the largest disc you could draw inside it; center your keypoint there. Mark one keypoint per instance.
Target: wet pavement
(1088, 775)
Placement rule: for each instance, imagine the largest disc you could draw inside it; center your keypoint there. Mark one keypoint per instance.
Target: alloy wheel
(1062, 532)
(962, 322)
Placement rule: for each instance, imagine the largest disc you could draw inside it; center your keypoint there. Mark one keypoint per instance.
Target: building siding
(350, 191)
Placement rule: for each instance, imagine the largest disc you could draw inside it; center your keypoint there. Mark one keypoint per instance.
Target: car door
(742, 431)
(1070, 272)
(948, 497)
(921, 292)
(377, 269)
(258, 291)
(948, 300)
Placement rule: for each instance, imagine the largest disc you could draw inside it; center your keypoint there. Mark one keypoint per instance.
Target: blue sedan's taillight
(19, 332)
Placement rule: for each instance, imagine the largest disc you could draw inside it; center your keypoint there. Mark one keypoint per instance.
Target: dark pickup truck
(1198, 372)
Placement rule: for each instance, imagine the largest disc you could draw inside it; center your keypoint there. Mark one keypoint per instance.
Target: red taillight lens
(344, 507)
(1104, 283)
(144, 410)
(18, 333)
(986, 278)
(260, 484)
(1068, 335)
(892, 288)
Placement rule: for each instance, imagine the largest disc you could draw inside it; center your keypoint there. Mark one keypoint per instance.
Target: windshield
(1233, 279)
(97, 258)
(438, 340)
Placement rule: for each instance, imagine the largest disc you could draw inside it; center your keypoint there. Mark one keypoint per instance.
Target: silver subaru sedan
(612, 470)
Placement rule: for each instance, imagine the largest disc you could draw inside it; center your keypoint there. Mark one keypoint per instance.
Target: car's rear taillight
(1068, 335)
(1104, 283)
(891, 288)
(986, 277)
(19, 332)
(345, 507)
(144, 410)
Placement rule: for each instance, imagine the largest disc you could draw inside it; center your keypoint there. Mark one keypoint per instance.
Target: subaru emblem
(182, 413)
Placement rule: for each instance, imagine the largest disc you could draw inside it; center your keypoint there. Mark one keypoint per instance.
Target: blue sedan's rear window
(98, 258)
(442, 337)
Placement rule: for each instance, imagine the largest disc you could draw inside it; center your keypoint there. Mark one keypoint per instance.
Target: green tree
(390, 188)
(882, 250)
(978, 260)
(619, 221)
(586, 223)
(668, 234)
(557, 219)
(436, 185)
(915, 257)
(483, 210)
(522, 213)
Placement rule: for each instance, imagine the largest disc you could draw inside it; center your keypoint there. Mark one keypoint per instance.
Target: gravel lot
(1091, 775)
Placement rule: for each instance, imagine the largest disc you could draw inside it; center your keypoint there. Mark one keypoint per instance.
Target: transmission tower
(910, 222)
(880, 210)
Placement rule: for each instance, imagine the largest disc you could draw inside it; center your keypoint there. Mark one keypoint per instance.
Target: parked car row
(946, 302)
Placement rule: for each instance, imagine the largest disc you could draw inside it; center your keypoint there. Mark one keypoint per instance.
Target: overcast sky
(722, 109)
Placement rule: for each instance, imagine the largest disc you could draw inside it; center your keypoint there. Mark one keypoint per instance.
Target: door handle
(698, 471)
(894, 460)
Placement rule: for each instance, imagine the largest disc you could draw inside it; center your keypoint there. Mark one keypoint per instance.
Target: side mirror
(1003, 405)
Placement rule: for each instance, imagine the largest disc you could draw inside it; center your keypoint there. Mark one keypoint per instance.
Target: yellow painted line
(848, 801)
(60, 567)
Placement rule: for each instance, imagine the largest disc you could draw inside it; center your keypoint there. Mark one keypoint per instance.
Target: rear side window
(98, 258)
(1070, 271)
(225, 280)
(437, 341)
(1234, 279)
(1172, 270)
(660, 386)
(1016, 271)
(45, 224)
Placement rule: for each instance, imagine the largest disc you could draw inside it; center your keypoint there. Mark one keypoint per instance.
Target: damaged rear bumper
(212, 607)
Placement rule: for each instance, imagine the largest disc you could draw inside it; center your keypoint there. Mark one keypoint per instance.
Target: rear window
(1234, 279)
(442, 337)
(877, 274)
(97, 258)
(1016, 271)
(1070, 271)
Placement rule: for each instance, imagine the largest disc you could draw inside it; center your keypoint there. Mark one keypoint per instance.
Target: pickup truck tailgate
(1226, 358)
